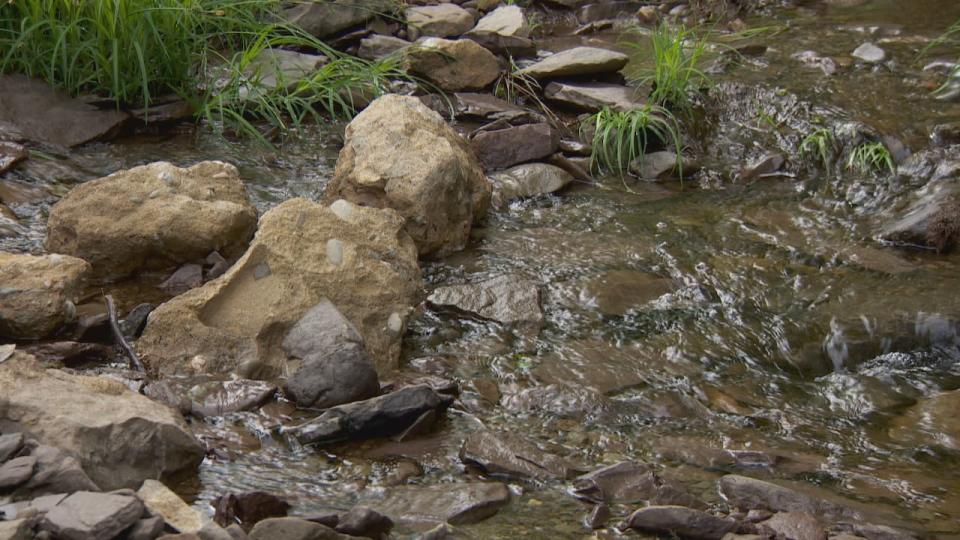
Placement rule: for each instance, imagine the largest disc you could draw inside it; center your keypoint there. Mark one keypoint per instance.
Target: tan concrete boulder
(121, 438)
(359, 258)
(399, 154)
(154, 216)
(38, 294)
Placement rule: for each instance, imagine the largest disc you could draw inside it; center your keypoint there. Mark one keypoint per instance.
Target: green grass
(871, 157)
(820, 144)
(675, 76)
(950, 38)
(621, 138)
(522, 89)
(133, 51)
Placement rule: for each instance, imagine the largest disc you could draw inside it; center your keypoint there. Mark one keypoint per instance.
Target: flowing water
(679, 319)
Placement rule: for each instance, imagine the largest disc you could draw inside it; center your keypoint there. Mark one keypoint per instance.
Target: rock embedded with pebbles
(153, 217)
(236, 324)
(399, 154)
(38, 294)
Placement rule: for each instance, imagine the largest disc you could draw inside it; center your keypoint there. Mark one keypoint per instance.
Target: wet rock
(16, 471)
(563, 400)
(764, 165)
(870, 53)
(42, 114)
(10, 444)
(812, 59)
(154, 216)
(54, 472)
(593, 96)
(38, 293)
(443, 20)
(335, 367)
(627, 482)
(930, 165)
(930, 220)
(528, 180)
(10, 154)
(382, 416)
(376, 46)
(619, 291)
(120, 437)
(485, 106)
(931, 421)
(945, 134)
(599, 11)
(135, 320)
(401, 155)
(188, 276)
(680, 521)
(507, 299)
(503, 148)
(871, 531)
(92, 516)
(358, 258)
(453, 65)
(796, 526)
(457, 504)
(503, 454)
(366, 522)
(749, 493)
(160, 501)
(323, 19)
(216, 398)
(70, 353)
(662, 165)
(593, 363)
(293, 529)
(577, 61)
(598, 517)
(248, 509)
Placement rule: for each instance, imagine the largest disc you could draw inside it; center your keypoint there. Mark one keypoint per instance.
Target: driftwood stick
(135, 363)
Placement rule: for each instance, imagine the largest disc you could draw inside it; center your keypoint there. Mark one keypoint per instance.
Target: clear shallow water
(784, 328)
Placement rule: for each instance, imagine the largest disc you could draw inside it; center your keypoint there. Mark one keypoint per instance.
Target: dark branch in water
(135, 363)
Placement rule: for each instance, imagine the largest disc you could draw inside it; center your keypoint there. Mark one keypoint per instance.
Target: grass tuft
(819, 144)
(871, 157)
(620, 138)
(675, 76)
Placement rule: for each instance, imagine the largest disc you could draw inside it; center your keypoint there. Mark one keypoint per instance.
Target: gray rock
(502, 148)
(248, 509)
(16, 471)
(681, 521)
(796, 526)
(453, 65)
(504, 30)
(44, 115)
(661, 165)
(811, 59)
(10, 444)
(504, 454)
(507, 299)
(377, 46)
(577, 61)
(528, 180)
(627, 482)
(930, 220)
(146, 529)
(366, 522)
(216, 398)
(870, 53)
(443, 20)
(749, 493)
(278, 68)
(11, 153)
(382, 416)
(456, 504)
(871, 531)
(764, 165)
(133, 322)
(485, 106)
(599, 11)
(515, 46)
(55, 472)
(593, 96)
(33, 508)
(92, 516)
(186, 277)
(293, 529)
(323, 19)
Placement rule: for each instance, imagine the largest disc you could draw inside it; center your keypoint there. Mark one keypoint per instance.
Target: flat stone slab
(577, 61)
(92, 516)
(43, 114)
(593, 96)
(457, 504)
(506, 299)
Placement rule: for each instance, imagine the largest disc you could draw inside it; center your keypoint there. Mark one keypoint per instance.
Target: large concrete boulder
(453, 64)
(154, 216)
(121, 438)
(38, 294)
(399, 154)
(359, 258)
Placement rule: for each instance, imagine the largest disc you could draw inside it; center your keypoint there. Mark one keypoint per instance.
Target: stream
(681, 318)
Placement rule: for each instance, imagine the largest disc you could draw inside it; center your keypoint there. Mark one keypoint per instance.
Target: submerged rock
(504, 454)
(153, 217)
(870, 53)
(383, 416)
(577, 61)
(506, 299)
(38, 295)
(443, 20)
(681, 521)
(796, 526)
(42, 114)
(121, 438)
(502, 148)
(453, 65)
(931, 219)
(456, 504)
(749, 494)
(399, 154)
(931, 421)
(216, 398)
(627, 482)
(528, 180)
(359, 258)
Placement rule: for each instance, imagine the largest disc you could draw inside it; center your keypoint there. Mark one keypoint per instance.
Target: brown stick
(135, 363)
